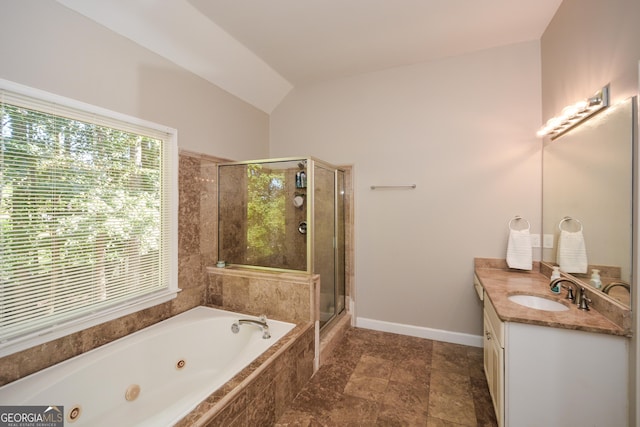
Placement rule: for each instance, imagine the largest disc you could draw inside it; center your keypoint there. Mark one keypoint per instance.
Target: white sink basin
(538, 303)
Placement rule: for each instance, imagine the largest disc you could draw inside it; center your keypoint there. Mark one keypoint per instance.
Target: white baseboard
(420, 332)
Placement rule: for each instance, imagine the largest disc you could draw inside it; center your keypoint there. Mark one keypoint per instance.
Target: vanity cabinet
(494, 358)
(545, 376)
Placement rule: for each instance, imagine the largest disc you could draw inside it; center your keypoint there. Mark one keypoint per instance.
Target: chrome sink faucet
(575, 293)
(262, 322)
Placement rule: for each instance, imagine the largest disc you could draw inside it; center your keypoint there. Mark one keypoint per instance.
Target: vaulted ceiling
(259, 50)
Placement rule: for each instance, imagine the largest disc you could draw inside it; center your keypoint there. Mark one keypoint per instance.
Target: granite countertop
(499, 283)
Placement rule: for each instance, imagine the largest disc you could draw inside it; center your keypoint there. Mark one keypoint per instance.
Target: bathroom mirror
(587, 176)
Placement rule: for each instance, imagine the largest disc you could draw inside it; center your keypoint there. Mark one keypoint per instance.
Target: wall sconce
(573, 115)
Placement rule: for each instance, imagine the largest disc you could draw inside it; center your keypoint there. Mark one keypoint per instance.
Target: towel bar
(410, 186)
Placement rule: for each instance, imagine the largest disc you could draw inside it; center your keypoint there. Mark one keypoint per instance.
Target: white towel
(519, 250)
(572, 253)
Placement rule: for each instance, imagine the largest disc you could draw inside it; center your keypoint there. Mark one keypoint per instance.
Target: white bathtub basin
(538, 303)
(151, 378)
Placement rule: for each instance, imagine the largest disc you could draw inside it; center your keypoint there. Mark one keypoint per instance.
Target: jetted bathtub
(153, 377)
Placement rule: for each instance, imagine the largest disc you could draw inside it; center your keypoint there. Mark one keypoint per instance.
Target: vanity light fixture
(574, 114)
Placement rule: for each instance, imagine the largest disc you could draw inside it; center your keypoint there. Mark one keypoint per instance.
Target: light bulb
(569, 111)
(581, 106)
(554, 122)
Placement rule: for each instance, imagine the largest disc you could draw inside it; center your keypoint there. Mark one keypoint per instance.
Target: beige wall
(49, 47)
(463, 130)
(588, 44)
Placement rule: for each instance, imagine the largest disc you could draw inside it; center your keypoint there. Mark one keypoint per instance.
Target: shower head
(302, 164)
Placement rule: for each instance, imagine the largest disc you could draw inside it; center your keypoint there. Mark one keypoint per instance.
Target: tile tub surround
(260, 393)
(499, 282)
(287, 296)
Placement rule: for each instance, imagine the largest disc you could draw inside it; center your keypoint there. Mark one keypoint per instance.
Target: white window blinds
(87, 214)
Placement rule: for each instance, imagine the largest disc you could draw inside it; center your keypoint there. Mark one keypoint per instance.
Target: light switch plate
(547, 241)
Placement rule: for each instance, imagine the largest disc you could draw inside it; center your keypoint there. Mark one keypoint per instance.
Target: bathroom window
(87, 216)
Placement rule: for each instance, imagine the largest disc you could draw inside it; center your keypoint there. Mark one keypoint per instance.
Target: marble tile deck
(382, 379)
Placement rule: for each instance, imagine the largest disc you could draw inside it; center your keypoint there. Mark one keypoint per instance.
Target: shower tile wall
(233, 211)
(296, 243)
(197, 248)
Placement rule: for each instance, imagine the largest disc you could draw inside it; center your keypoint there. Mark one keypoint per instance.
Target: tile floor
(382, 379)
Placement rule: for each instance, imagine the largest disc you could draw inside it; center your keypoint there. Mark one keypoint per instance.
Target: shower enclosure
(286, 215)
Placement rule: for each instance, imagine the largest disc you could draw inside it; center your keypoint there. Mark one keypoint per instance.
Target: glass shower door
(324, 231)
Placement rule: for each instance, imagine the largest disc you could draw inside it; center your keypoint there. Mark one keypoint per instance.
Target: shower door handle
(302, 227)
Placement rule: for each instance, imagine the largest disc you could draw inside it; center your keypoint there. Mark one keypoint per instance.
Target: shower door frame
(337, 240)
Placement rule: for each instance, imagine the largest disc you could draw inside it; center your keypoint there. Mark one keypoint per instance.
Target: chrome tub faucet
(262, 323)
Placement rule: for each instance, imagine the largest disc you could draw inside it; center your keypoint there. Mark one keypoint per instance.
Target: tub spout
(262, 323)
